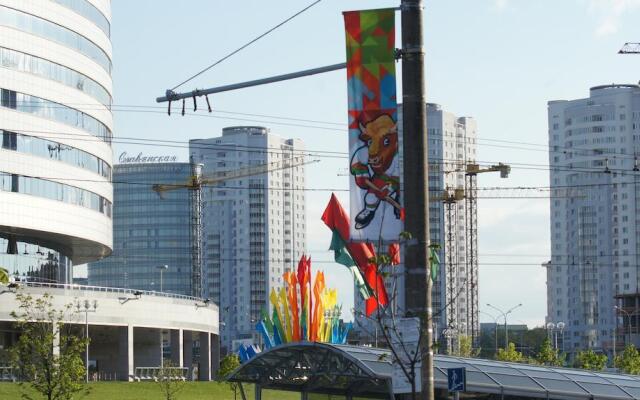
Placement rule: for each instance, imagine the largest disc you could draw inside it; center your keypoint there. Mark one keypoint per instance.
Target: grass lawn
(151, 390)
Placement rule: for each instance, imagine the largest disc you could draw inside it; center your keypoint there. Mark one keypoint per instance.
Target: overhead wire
(244, 46)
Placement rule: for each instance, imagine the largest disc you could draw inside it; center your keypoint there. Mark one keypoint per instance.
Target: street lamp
(504, 314)
(495, 321)
(628, 321)
(86, 307)
(553, 329)
(162, 268)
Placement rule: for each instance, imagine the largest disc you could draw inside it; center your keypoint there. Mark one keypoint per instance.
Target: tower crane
(630, 48)
(471, 186)
(194, 184)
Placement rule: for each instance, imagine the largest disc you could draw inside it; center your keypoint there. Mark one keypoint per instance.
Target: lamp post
(86, 307)
(504, 314)
(628, 321)
(162, 268)
(495, 321)
(553, 329)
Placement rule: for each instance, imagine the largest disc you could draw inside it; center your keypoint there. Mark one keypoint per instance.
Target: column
(205, 356)
(215, 355)
(177, 351)
(125, 353)
(187, 351)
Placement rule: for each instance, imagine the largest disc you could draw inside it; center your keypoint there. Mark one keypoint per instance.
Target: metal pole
(506, 333)
(615, 333)
(161, 280)
(416, 184)
(172, 96)
(86, 336)
(497, 337)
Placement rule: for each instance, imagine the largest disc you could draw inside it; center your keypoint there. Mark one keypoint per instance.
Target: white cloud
(501, 4)
(610, 13)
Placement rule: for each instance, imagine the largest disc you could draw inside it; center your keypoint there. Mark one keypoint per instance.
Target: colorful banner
(376, 204)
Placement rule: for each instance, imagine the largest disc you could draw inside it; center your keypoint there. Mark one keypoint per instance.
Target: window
(54, 111)
(39, 66)
(54, 32)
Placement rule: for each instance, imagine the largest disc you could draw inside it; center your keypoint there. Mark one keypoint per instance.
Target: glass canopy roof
(366, 372)
(487, 376)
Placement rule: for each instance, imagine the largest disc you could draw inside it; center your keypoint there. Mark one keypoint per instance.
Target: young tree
(465, 347)
(47, 355)
(590, 360)
(229, 363)
(547, 355)
(629, 360)
(171, 380)
(509, 354)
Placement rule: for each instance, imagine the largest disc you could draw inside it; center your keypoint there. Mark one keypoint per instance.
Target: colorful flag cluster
(357, 257)
(314, 316)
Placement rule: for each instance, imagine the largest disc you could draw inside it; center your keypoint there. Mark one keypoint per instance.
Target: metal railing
(155, 373)
(6, 374)
(104, 289)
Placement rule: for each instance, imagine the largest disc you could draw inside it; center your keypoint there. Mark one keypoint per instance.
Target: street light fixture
(86, 307)
(553, 329)
(495, 321)
(162, 268)
(628, 321)
(504, 314)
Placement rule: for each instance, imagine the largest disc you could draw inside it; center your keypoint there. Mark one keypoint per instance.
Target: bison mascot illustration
(375, 167)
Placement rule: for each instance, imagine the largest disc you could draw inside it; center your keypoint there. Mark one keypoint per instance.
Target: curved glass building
(149, 232)
(55, 136)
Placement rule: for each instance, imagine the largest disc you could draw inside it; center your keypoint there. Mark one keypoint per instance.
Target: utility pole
(416, 185)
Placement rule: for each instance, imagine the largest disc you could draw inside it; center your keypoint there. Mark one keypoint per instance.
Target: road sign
(457, 378)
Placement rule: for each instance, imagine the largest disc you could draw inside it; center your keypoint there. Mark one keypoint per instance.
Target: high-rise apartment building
(593, 148)
(253, 227)
(55, 131)
(149, 231)
(452, 144)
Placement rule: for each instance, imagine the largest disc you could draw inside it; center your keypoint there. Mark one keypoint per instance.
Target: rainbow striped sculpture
(303, 310)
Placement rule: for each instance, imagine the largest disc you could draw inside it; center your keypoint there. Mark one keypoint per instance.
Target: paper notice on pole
(405, 338)
(401, 383)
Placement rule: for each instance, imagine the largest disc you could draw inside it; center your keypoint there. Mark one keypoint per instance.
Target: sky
(499, 61)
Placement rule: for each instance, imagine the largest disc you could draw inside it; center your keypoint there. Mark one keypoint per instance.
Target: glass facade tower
(55, 137)
(148, 231)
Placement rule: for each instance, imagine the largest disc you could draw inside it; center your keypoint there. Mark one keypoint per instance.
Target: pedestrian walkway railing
(6, 374)
(156, 373)
(85, 288)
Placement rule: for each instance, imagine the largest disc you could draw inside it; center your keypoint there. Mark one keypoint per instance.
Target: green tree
(591, 360)
(171, 380)
(509, 354)
(629, 360)
(4, 276)
(465, 348)
(547, 355)
(55, 371)
(229, 363)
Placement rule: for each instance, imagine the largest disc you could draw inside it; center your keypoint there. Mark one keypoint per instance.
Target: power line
(244, 46)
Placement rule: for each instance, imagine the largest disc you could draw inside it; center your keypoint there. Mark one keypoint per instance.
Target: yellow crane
(471, 187)
(194, 184)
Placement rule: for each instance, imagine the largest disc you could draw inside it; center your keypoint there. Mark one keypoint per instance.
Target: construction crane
(630, 48)
(471, 186)
(195, 183)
